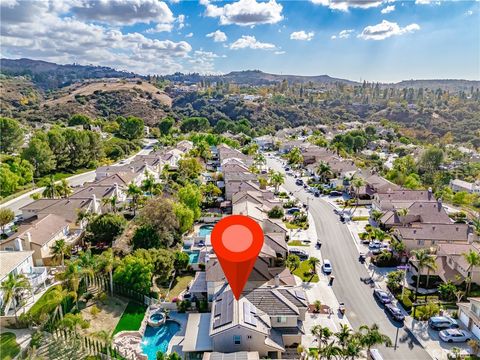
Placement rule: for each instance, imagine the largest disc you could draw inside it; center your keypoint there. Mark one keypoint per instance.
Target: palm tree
(134, 192)
(313, 262)
(292, 262)
(64, 189)
(51, 189)
(424, 261)
(324, 171)
(402, 215)
(106, 262)
(59, 249)
(376, 215)
(73, 275)
(322, 334)
(371, 336)
(344, 335)
(317, 304)
(353, 349)
(277, 179)
(473, 260)
(337, 146)
(11, 288)
(74, 321)
(378, 234)
(357, 183)
(331, 350)
(148, 184)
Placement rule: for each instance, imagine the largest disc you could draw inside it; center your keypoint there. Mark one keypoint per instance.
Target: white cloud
(385, 30)
(427, 2)
(42, 30)
(123, 12)
(160, 28)
(245, 12)
(181, 21)
(279, 52)
(344, 5)
(344, 34)
(203, 61)
(388, 9)
(469, 13)
(302, 35)
(249, 42)
(217, 36)
(189, 35)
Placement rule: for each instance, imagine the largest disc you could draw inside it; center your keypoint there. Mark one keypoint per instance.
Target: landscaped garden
(178, 286)
(304, 272)
(8, 346)
(131, 318)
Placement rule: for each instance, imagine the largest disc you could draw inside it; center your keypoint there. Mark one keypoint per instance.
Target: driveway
(339, 247)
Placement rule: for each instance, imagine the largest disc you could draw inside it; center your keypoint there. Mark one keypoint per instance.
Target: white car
(327, 266)
(454, 335)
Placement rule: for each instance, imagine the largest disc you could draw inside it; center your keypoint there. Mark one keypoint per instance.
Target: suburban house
(427, 212)
(135, 172)
(451, 264)
(39, 235)
(420, 236)
(266, 320)
(20, 263)
(400, 198)
(469, 315)
(459, 185)
(266, 142)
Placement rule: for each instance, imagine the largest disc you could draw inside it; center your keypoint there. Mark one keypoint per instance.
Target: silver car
(454, 335)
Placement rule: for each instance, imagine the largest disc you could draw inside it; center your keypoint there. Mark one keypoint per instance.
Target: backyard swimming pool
(157, 338)
(193, 256)
(205, 230)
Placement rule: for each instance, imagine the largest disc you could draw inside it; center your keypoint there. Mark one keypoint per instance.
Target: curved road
(338, 246)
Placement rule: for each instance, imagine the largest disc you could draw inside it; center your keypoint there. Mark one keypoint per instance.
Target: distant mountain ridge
(49, 75)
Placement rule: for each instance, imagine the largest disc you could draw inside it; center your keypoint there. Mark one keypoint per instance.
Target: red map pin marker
(237, 241)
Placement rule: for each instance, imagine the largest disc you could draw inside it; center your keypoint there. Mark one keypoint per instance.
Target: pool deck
(176, 344)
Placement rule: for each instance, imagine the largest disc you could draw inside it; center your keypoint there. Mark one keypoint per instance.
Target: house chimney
(28, 241)
(430, 193)
(277, 280)
(440, 203)
(95, 205)
(18, 244)
(117, 192)
(470, 237)
(132, 169)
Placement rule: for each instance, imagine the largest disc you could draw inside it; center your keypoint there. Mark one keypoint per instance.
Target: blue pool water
(193, 255)
(157, 338)
(205, 230)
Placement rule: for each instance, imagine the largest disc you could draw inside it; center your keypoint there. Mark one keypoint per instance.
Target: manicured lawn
(131, 318)
(296, 243)
(304, 272)
(179, 284)
(8, 345)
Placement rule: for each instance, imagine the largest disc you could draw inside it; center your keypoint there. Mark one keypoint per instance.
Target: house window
(237, 339)
(282, 319)
(420, 242)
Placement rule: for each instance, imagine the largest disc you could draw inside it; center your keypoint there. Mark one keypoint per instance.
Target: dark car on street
(382, 296)
(394, 312)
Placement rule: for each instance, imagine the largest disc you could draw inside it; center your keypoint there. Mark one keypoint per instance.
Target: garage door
(464, 318)
(476, 331)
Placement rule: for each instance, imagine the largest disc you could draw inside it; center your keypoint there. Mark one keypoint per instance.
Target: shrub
(426, 311)
(94, 311)
(183, 305)
(276, 213)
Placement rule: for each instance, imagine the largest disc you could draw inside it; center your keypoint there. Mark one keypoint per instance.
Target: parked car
(316, 193)
(327, 267)
(302, 254)
(374, 245)
(454, 335)
(382, 296)
(442, 322)
(293, 210)
(394, 312)
(335, 193)
(299, 182)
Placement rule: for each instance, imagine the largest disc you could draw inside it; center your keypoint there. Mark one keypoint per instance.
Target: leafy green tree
(20, 167)
(74, 322)
(191, 196)
(64, 189)
(472, 258)
(11, 135)
(105, 228)
(189, 168)
(131, 128)
(162, 260)
(159, 213)
(181, 260)
(135, 272)
(295, 156)
(51, 188)
(430, 162)
(8, 180)
(194, 124)
(105, 263)
(39, 154)
(6, 216)
(185, 217)
(166, 125)
(79, 119)
(134, 192)
(59, 249)
(276, 213)
(146, 237)
(447, 291)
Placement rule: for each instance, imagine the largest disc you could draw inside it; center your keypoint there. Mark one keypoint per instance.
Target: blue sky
(376, 40)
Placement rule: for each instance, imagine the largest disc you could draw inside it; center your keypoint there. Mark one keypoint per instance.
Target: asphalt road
(338, 246)
(76, 180)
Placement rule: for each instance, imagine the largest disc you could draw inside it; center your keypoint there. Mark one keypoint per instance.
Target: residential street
(75, 180)
(338, 246)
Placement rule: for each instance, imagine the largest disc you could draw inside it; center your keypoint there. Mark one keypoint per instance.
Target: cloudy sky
(376, 40)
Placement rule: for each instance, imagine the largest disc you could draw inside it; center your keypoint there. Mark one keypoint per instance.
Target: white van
(374, 354)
